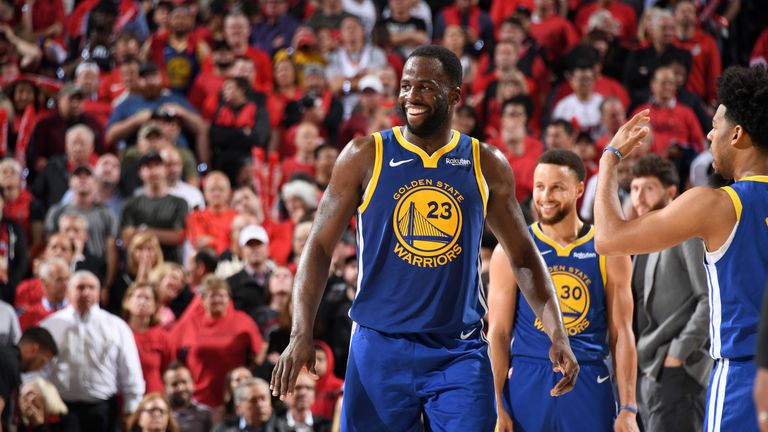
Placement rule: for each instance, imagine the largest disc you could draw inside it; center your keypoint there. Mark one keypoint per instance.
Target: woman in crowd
(173, 293)
(153, 415)
(140, 310)
(144, 254)
(42, 410)
(234, 377)
(216, 342)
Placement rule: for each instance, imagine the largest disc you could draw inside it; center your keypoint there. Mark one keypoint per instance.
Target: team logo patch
(573, 291)
(427, 222)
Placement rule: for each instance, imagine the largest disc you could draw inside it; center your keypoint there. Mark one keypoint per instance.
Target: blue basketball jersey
(737, 272)
(578, 273)
(419, 228)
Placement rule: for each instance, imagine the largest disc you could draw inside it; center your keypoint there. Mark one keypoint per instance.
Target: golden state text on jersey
(419, 228)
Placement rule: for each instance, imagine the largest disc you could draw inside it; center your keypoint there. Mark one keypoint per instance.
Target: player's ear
(580, 190)
(454, 96)
(737, 135)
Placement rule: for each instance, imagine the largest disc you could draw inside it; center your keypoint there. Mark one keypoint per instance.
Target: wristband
(615, 151)
(628, 408)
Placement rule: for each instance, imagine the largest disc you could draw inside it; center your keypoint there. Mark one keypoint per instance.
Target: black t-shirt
(168, 212)
(10, 379)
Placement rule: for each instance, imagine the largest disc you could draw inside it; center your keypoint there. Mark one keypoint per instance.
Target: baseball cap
(253, 232)
(150, 156)
(371, 82)
(69, 90)
(82, 169)
(148, 129)
(162, 113)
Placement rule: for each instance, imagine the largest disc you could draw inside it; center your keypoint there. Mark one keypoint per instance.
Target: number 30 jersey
(579, 275)
(419, 228)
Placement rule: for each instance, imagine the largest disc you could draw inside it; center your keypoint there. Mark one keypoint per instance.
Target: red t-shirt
(18, 211)
(207, 223)
(29, 293)
(623, 13)
(706, 65)
(46, 13)
(32, 315)
(760, 50)
(556, 35)
(290, 167)
(503, 9)
(155, 354)
(215, 346)
(522, 166)
(206, 84)
(677, 123)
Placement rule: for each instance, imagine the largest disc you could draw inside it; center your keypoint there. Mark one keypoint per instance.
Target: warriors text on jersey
(418, 233)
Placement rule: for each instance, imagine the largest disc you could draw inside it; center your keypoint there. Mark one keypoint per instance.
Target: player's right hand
(563, 361)
(299, 354)
(504, 421)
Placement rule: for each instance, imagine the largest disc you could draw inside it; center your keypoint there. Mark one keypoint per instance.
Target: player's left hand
(563, 361)
(626, 422)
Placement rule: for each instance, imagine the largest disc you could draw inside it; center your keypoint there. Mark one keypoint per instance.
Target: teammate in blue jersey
(733, 223)
(418, 357)
(596, 303)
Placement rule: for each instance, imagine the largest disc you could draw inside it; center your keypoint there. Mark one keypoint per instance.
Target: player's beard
(433, 122)
(561, 213)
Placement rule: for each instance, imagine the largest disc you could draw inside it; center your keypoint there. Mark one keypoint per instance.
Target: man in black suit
(249, 285)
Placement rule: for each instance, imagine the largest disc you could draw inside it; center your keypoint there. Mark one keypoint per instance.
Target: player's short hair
(655, 166)
(41, 337)
(451, 64)
(744, 93)
(564, 158)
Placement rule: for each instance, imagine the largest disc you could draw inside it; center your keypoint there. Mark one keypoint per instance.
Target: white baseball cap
(370, 82)
(253, 232)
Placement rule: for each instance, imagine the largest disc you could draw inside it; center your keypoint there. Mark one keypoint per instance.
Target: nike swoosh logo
(467, 335)
(601, 380)
(393, 164)
(546, 252)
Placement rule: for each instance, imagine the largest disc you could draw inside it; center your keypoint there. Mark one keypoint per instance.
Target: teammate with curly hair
(733, 223)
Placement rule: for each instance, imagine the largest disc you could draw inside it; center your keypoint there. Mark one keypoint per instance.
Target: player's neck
(566, 231)
(429, 143)
(755, 164)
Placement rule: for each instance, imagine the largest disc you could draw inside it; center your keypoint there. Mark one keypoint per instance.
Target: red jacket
(706, 66)
(673, 124)
(328, 388)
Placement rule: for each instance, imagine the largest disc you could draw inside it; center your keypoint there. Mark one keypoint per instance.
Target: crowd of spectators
(162, 161)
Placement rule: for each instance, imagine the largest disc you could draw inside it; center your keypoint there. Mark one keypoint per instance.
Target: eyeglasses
(156, 411)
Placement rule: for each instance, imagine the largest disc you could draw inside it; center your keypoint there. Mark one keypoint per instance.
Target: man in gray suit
(671, 314)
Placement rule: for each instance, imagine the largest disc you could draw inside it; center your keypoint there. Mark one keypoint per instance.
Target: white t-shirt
(586, 113)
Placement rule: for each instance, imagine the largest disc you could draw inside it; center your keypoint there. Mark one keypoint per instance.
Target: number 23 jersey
(419, 228)
(579, 275)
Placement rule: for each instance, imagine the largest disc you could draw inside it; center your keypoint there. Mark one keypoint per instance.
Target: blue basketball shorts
(730, 406)
(589, 407)
(399, 382)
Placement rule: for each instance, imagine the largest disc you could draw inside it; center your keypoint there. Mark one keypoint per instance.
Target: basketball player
(596, 301)
(731, 221)
(421, 193)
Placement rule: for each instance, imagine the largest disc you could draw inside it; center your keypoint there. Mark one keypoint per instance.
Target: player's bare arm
(699, 212)
(502, 297)
(344, 193)
(505, 219)
(619, 303)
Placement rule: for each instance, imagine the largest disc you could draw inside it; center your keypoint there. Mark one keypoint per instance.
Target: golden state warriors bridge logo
(573, 291)
(427, 223)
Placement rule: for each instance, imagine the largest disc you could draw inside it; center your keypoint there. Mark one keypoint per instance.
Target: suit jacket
(672, 310)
